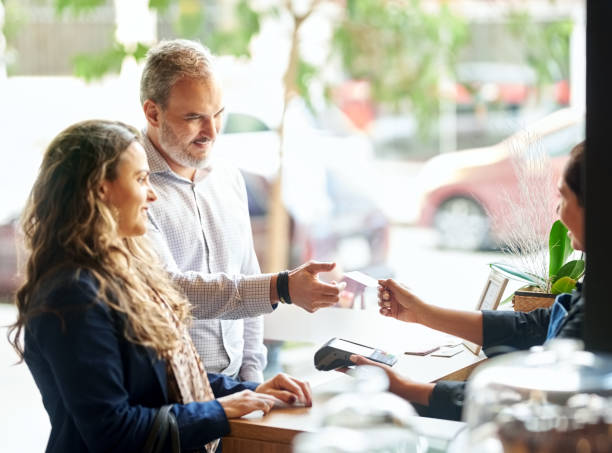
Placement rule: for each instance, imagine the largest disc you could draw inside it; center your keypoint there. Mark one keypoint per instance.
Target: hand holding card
(361, 278)
(356, 283)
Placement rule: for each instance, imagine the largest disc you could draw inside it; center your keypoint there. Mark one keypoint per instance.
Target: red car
(468, 195)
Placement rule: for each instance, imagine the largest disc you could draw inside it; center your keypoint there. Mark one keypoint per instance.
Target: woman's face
(571, 214)
(130, 192)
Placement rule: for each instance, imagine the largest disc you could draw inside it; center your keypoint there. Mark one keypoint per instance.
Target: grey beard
(181, 157)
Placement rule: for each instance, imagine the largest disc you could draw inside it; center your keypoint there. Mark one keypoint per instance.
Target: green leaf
(191, 20)
(305, 73)
(159, 5)
(77, 6)
(559, 247)
(92, 67)
(573, 269)
(563, 285)
(141, 51)
(515, 274)
(235, 41)
(507, 299)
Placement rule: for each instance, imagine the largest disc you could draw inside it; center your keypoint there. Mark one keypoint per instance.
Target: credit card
(362, 278)
(447, 351)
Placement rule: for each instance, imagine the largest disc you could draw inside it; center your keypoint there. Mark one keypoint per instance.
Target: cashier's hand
(406, 388)
(310, 293)
(396, 301)
(287, 389)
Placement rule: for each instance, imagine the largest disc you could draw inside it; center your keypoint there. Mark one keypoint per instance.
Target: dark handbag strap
(156, 440)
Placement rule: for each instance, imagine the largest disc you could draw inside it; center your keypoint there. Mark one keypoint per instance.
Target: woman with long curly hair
(104, 331)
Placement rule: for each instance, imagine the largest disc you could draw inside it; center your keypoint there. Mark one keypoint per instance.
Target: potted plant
(561, 277)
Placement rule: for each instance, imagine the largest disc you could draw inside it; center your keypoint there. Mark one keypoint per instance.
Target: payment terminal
(336, 352)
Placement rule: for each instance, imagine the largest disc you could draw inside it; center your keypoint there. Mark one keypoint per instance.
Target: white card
(362, 278)
(447, 351)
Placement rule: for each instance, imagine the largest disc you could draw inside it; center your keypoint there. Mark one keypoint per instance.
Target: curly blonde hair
(66, 225)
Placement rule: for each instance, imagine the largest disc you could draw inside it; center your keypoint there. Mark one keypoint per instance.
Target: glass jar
(366, 418)
(556, 398)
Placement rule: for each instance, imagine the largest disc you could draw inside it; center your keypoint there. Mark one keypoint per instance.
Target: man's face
(191, 121)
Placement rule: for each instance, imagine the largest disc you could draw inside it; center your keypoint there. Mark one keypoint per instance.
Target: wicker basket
(530, 300)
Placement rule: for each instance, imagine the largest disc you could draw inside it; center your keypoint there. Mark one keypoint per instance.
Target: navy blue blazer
(101, 391)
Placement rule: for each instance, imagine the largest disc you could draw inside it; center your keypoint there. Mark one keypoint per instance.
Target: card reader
(336, 352)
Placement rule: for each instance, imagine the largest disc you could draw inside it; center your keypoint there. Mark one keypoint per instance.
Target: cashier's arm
(416, 392)
(396, 301)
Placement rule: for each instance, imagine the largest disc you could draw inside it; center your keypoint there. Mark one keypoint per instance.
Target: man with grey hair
(200, 223)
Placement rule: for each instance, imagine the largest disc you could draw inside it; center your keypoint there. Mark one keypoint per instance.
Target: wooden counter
(274, 433)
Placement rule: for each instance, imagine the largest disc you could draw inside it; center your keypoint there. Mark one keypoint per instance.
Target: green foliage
(402, 50)
(398, 46)
(159, 5)
(236, 41)
(559, 247)
(77, 7)
(546, 46)
(517, 274)
(191, 20)
(562, 275)
(92, 67)
(194, 23)
(563, 285)
(16, 15)
(140, 52)
(305, 73)
(572, 269)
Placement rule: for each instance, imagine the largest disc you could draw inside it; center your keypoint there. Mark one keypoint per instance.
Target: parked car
(462, 193)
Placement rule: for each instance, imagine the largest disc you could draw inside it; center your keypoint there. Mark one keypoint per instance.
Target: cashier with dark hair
(489, 328)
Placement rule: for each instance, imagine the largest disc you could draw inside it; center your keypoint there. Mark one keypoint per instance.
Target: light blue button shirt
(202, 233)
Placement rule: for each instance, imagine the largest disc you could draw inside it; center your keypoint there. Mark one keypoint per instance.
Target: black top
(505, 331)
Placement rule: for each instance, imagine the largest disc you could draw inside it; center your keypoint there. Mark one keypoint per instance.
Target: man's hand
(396, 301)
(287, 389)
(310, 293)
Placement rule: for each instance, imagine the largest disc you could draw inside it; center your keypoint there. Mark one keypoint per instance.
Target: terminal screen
(353, 348)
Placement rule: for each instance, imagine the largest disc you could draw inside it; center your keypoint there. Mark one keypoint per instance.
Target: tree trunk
(278, 240)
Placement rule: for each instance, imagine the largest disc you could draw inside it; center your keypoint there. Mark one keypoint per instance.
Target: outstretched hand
(396, 301)
(310, 293)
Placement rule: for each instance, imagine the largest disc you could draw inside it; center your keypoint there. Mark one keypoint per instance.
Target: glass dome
(366, 418)
(556, 398)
